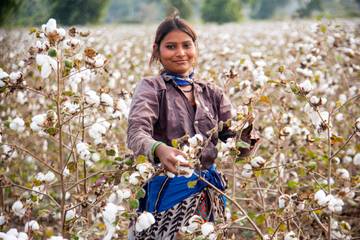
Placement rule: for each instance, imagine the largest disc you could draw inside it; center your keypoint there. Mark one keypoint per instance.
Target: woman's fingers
(170, 166)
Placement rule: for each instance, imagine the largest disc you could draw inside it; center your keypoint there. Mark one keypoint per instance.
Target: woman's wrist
(154, 147)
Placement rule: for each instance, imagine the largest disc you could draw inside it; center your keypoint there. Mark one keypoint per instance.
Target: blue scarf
(178, 79)
(162, 192)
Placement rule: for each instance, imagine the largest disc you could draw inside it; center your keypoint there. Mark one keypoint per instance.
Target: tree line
(79, 12)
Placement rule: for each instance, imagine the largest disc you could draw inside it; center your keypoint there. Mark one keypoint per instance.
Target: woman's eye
(187, 45)
(170, 47)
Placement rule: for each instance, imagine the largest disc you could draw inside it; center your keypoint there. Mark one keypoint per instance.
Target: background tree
(221, 11)
(309, 8)
(264, 9)
(7, 9)
(183, 6)
(69, 12)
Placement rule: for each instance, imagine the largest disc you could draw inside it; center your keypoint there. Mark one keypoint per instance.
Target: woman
(167, 107)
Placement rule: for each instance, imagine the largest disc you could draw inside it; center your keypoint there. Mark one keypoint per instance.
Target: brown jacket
(161, 112)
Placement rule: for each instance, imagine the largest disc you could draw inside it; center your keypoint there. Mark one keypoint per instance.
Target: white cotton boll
(21, 98)
(17, 124)
(269, 133)
(282, 201)
(257, 162)
(185, 171)
(306, 86)
(50, 176)
(61, 32)
(37, 122)
(335, 204)
(99, 60)
(56, 238)
(22, 236)
(18, 209)
(315, 100)
(2, 84)
(320, 197)
(50, 26)
(343, 173)
(133, 179)
(95, 156)
(3, 74)
(180, 158)
(14, 76)
(145, 169)
(70, 215)
(356, 159)
(106, 99)
(290, 236)
(92, 98)
(247, 171)
(347, 160)
(144, 221)
(339, 117)
(2, 220)
(207, 228)
(342, 98)
(32, 225)
(357, 124)
(71, 107)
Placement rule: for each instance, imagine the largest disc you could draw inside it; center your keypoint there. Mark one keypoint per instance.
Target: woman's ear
(155, 49)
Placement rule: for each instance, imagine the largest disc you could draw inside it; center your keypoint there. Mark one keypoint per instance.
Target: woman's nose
(180, 51)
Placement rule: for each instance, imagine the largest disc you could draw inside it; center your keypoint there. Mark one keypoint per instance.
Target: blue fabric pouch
(163, 192)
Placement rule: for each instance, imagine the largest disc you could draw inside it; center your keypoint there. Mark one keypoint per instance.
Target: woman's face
(178, 52)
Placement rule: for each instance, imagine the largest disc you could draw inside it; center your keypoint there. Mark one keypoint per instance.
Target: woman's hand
(167, 156)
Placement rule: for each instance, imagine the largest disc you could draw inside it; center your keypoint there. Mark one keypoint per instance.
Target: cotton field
(65, 95)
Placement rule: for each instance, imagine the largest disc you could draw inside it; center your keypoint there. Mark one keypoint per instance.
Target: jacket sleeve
(248, 135)
(144, 112)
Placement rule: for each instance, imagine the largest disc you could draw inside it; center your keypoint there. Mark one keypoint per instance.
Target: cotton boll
(207, 228)
(347, 159)
(306, 86)
(290, 236)
(343, 173)
(269, 133)
(70, 215)
(356, 159)
(257, 162)
(247, 171)
(32, 225)
(144, 221)
(134, 178)
(18, 209)
(320, 197)
(335, 204)
(17, 125)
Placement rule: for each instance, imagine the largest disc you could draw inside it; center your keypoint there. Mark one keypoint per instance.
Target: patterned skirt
(206, 204)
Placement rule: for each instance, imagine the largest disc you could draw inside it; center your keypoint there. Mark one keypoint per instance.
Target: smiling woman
(169, 106)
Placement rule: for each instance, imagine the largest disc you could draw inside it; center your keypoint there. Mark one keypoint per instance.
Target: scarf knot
(178, 79)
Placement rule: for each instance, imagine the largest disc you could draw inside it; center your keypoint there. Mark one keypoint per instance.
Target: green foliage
(7, 9)
(183, 6)
(264, 9)
(221, 11)
(69, 12)
(309, 8)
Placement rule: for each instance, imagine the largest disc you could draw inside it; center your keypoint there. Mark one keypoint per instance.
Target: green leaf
(69, 63)
(140, 193)
(110, 152)
(260, 219)
(51, 131)
(68, 93)
(270, 230)
(192, 184)
(323, 28)
(52, 52)
(242, 144)
(129, 161)
(134, 203)
(282, 227)
(292, 184)
(71, 166)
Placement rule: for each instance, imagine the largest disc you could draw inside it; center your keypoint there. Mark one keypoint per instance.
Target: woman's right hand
(167, 156)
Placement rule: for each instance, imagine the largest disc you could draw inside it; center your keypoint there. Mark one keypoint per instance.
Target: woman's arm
(144, 112)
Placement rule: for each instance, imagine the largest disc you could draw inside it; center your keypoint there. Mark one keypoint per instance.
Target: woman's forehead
(177, 36)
